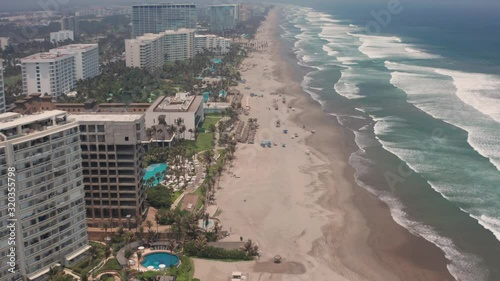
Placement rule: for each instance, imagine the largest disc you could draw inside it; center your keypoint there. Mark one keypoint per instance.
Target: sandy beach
(300, 201)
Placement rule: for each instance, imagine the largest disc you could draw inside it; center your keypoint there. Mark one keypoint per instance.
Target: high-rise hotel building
(156, 18)
(56, 72)
(44, 149)
(153, 50)
(112, 167)
(224, 17)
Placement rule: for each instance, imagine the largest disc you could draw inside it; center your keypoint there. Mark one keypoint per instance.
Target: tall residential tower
(44, 150)
(156, 18)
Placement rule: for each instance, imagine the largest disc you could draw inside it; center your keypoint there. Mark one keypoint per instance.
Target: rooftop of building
(163, 5)
(110, 117)
(20, 120)
(182, 102)
(76, 47)
(45, 56)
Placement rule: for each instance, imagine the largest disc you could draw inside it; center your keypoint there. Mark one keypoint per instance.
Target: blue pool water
(153, 169)
(155, 259)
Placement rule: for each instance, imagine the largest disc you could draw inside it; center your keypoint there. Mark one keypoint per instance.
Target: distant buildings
(56, 72)
(112, 167)
(153, 50)
(71, 23)
(62, 35)
(169, 109)
(2, 91)
(156, 18)
(51, 228)
(224, 17)
(4, 42)
(212, 43)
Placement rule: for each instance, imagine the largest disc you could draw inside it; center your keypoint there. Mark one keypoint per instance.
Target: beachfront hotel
(86, 59)
(2, 91)
(56, 72)
(51, 228)
(211, 43)
(48, 73)
(185, 106)
(112, 167)
(224, 17)
(156, 18)
(153, 50)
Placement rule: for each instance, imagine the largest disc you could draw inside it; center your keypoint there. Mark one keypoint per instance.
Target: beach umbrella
(277, 259)
(161, 266)
(151, 267)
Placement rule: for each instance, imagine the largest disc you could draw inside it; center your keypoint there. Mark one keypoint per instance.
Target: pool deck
(145, 252)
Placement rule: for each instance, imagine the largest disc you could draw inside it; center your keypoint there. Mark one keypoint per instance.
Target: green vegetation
(12, 80)
(111, 264)
(160, 197)
(95, 255)
(208, 252)
(56, 273)
(205, 139)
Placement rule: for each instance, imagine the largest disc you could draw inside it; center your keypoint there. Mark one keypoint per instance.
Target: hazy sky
(9, 5)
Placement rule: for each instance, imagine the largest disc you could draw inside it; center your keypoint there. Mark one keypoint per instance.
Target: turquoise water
(153, 169)
(216, 61)
(424, 105)
(155, 259)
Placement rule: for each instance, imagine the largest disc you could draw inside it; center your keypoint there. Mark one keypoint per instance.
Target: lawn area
(211, 119)
(205, 141)
(111, 264)
(176, 195)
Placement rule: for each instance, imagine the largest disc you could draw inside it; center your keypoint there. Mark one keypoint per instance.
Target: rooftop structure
(167, 110)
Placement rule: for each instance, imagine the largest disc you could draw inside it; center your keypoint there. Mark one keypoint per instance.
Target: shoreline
(338, 231)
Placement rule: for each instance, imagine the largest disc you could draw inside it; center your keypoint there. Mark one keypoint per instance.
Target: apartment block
(212, 43)
(56, 72)
(86, 58)
(112, 167)
(224, 17)
(51, 227)
(60, 36)
(156, 18)
(48, 73)
(2, 91)
(153, 50)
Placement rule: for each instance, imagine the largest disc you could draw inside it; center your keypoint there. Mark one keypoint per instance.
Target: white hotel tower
(51, 227)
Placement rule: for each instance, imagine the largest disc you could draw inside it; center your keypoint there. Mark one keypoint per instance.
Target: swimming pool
(153, 169)
(155, 259)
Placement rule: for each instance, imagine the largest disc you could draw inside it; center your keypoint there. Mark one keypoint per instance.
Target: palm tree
(191, 132)
(201, 242)
(149, 225)
(157, 220)
(53, 272)
(250, 249)
(139, 255)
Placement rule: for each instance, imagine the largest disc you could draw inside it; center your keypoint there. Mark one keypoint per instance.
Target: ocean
(419, 86)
